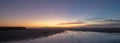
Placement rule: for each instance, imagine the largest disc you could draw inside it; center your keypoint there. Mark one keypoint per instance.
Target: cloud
(94, 19)
(69, 23)
(111, 20)
(107, 23)
(110, 24)
(103, 20)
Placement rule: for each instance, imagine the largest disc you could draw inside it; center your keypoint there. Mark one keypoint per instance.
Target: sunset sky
(60, 13)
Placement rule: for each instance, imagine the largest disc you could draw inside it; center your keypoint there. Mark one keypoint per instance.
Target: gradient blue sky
(50, 12)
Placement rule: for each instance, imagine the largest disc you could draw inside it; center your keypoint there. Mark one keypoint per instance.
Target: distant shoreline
(75, 29)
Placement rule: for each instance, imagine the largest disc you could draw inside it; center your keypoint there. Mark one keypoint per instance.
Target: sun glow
(53, 24)
(43, 24)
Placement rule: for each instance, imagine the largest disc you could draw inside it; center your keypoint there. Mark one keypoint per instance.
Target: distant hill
(12, 28)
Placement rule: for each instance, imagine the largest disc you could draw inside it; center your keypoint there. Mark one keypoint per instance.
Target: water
(68, 36)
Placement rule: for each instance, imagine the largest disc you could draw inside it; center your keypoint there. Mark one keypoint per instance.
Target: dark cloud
(69, 23)
(107, 23)
(94, 19)
(101, 22)
(110, 24)
(100, 19)
(111, 20)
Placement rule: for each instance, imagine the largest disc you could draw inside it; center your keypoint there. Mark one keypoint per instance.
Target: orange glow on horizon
(38, 24)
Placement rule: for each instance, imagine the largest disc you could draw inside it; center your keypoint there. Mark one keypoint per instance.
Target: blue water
(74, 37)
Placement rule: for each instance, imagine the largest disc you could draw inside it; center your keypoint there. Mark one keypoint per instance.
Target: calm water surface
(74, 37)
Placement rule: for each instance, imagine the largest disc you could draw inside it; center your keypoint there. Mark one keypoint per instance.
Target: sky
(60, 13)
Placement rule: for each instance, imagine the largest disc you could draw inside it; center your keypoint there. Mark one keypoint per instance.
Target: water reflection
(63, 36)
(80, 37)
